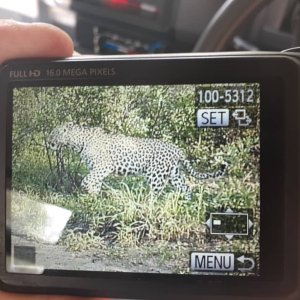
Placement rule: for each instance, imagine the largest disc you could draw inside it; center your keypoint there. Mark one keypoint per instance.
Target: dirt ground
(131, 260)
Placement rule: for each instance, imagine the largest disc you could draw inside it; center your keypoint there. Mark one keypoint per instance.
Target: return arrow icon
(243, 259)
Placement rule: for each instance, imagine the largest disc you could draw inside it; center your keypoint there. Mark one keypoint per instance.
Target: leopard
(105, 154)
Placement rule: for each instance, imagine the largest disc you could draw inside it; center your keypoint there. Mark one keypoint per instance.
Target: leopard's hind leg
(177, 180)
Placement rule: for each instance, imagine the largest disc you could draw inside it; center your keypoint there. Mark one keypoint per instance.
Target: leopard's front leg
(92, 183)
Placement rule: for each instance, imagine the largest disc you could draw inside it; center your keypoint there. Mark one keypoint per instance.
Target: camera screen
(139, 179)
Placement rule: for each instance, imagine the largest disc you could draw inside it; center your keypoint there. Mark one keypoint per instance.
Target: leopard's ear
(70, 124)
(67, 126)
(87, 124)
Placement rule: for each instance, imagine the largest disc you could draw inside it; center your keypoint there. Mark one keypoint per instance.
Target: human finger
(28, 40)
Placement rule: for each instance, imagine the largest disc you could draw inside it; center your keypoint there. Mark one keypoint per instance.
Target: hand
(21, 40)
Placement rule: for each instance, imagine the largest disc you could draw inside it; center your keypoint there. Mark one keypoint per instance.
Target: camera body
(157, 177)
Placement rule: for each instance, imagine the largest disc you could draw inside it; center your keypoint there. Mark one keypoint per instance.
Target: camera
(155, 176)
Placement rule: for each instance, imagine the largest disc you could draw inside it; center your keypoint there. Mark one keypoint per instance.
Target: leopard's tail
(207, 175)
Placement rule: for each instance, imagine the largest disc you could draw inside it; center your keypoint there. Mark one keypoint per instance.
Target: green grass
(132, 217)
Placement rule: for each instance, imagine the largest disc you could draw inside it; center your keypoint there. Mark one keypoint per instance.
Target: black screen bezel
(274, 90)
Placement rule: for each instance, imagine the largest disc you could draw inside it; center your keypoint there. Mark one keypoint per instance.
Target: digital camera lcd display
(138, 179)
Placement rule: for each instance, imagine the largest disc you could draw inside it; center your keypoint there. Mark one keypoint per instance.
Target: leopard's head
(63, 135)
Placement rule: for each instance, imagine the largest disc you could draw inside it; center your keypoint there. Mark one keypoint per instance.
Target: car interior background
(163, 26)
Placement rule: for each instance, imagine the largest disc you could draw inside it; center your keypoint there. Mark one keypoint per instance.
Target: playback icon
(240, 115)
